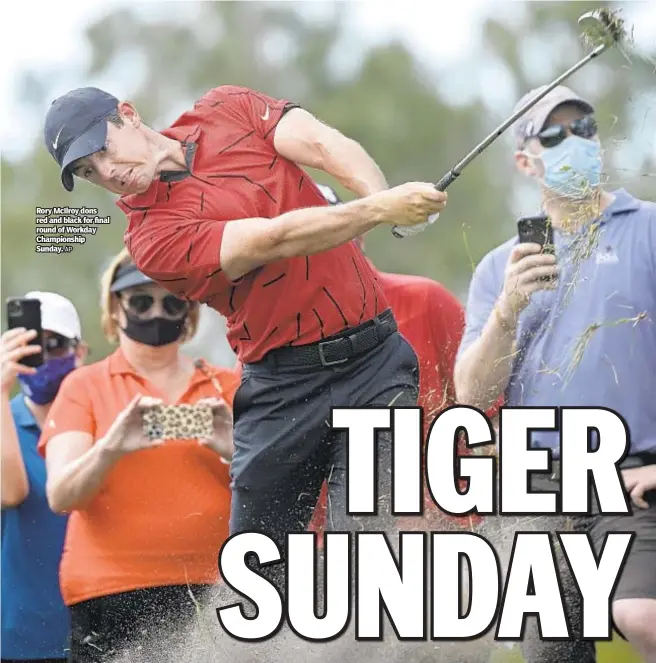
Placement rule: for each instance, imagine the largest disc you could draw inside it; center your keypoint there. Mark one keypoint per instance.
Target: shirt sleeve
(257, 111)
(483, 293)
(181, 253)
(72, 411)
(652, 236)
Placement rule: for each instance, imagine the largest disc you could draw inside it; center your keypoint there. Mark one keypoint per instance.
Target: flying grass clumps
(586, 337)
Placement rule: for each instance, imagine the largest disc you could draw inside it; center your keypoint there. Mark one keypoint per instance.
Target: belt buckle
(322, 357)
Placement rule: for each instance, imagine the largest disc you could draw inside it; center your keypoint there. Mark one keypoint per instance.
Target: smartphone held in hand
(178, 422)
(26, 313)
(538, 230)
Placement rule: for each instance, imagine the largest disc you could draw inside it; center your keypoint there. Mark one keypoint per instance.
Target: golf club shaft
(454, 173)
(516, 115)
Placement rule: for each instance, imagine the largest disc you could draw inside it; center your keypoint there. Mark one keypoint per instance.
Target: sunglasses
(585, 127)
(142, 303)
(55, 345)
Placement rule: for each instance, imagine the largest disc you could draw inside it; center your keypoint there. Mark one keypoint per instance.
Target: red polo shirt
(176, 227)
(432, 320)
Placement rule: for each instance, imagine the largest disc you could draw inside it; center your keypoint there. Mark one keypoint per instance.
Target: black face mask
(154, 332)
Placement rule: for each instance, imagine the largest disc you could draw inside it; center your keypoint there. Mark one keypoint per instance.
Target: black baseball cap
(127, 276)
(76, 127)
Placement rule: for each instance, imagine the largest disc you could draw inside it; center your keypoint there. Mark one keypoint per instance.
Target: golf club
(600, 25)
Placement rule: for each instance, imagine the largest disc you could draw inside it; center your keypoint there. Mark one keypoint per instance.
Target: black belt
(337, 349)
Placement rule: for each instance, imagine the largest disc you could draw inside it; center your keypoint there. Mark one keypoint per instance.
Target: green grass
(616, 651)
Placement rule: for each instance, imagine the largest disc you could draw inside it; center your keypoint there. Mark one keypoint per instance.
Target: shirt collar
(624, 203)
(188, 135)
(23, 418)
(119, 365)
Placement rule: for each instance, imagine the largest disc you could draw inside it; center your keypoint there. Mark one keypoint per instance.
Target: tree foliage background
(384, 95)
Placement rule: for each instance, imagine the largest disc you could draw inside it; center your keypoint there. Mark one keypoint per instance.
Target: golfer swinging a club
(221, 212)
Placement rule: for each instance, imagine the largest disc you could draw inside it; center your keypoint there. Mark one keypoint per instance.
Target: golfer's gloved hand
(408, 231)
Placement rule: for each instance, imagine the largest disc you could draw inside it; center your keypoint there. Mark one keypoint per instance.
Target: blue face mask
(572, 168)
(42, 387)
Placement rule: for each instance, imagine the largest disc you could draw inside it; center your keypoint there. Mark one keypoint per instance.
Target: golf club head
(602, 26)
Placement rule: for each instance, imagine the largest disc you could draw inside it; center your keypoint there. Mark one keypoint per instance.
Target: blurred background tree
(398, 105)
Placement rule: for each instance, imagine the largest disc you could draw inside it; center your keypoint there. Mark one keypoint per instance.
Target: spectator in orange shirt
(147, 518)
(432, 320)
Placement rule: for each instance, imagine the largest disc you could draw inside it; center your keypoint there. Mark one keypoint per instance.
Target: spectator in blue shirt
(35, 622)
(584, 336)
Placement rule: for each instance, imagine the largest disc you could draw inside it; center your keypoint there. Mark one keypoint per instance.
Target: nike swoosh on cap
(54, 144)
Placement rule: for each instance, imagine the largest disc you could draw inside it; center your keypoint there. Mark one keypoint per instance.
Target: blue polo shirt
(35, 621)
(591, 342)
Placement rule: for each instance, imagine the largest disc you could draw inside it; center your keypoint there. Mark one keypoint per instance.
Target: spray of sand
(204, 641)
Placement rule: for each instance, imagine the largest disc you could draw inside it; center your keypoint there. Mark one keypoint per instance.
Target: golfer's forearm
(309, 231)
(483, 371)
(75, 484)
(251, 243)
(15, 486)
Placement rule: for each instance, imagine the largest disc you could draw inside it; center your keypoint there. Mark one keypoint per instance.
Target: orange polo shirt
(162, 514)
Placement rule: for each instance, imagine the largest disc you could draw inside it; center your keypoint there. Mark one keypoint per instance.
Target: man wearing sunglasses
(35, 621)
(529, 313)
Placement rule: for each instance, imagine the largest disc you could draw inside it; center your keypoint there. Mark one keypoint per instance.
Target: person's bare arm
(483, 369)
(226, 250)
(251, 243)
(15, 486)
(14, 346)
(305, 140)
(76, 470)
(77, 467)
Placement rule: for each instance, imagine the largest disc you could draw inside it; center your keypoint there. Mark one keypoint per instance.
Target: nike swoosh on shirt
(265, 117)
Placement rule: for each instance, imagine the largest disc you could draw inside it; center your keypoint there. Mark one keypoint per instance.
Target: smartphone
(26, 313)
(536, 229)
(178, 422)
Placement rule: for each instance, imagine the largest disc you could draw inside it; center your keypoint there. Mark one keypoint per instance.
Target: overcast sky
(438, 31)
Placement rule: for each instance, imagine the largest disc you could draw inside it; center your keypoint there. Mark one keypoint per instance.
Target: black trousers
(285, 447)
(106, 626)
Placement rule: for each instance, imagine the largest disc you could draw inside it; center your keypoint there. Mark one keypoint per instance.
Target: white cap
(58, 314)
